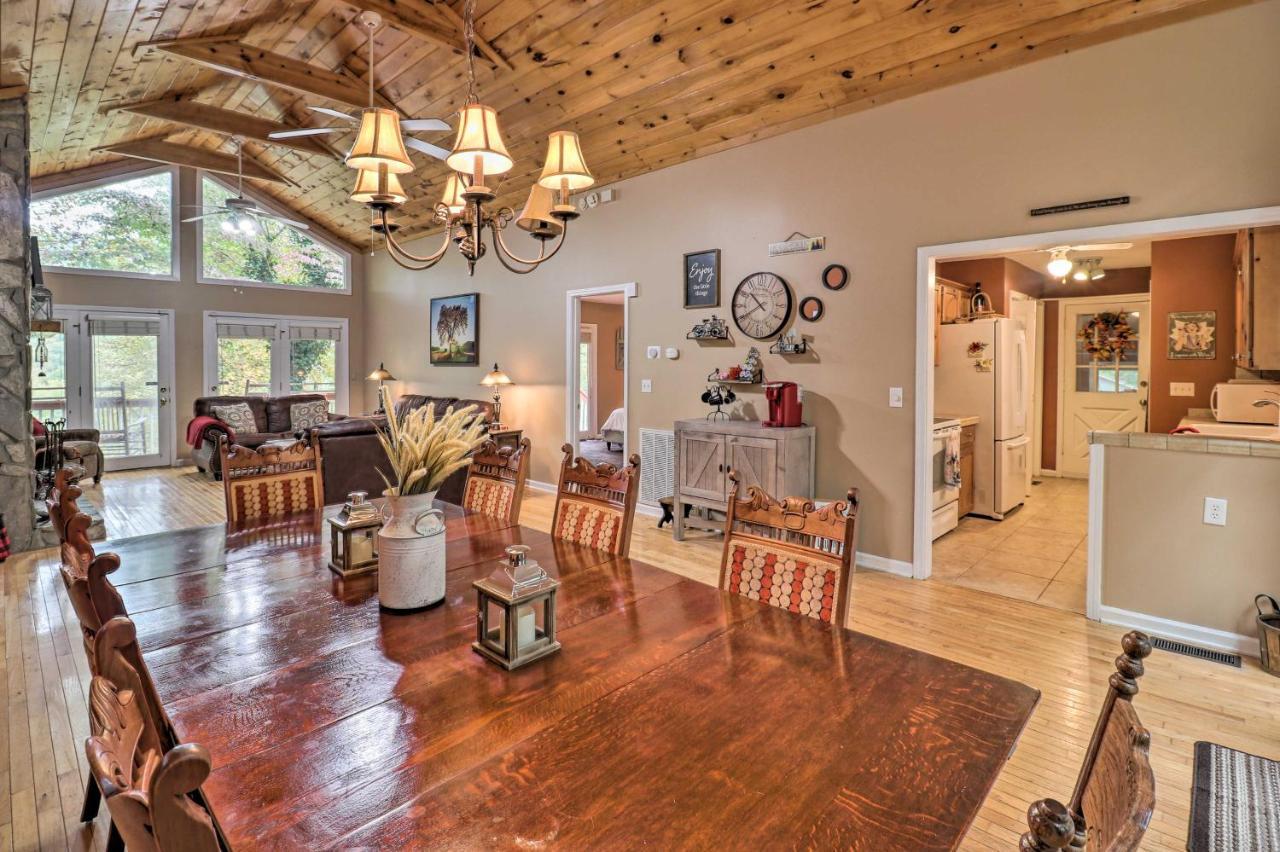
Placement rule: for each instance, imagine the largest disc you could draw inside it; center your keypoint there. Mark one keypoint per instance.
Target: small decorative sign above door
(797, 243)
(702, 279)
(1117, 201)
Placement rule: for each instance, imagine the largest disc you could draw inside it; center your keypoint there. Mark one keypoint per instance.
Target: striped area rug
(1235, 804)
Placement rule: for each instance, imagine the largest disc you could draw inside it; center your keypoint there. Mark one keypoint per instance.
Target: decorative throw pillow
(238, 416)
(304, 415)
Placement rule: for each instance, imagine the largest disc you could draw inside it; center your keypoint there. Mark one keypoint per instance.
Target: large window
(121, 226)
(264, 355)
(257, 250)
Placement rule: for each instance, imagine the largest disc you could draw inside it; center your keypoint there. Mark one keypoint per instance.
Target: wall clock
(811, 308)
(834, 277)
(762, 305)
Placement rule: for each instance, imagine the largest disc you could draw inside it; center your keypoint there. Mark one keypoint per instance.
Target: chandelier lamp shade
(379, 143)
(479, 153)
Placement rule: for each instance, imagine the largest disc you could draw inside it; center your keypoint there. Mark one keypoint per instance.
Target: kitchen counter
(1203, 422)
(1190, 443)
(963, 420)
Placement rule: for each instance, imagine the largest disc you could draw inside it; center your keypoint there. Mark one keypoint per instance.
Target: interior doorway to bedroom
(597, 375)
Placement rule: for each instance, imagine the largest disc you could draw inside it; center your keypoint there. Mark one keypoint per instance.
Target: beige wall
(1160, 559)
(608, 320)
(962, 163)
(189, 300)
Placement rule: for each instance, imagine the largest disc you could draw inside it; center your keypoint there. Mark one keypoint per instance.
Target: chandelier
(478, 156)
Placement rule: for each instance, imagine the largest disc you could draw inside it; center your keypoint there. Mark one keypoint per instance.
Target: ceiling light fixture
(480, 154)
(1059, 264)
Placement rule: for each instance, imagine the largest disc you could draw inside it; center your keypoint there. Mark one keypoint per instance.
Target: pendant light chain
(371, 30)
(469, 38)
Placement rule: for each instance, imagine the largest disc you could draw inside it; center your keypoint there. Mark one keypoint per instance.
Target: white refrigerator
(984, 369)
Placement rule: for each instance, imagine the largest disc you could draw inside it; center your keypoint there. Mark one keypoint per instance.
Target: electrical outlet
(895, 397)
(646, 386)
(1215, 511)
(1182, 388)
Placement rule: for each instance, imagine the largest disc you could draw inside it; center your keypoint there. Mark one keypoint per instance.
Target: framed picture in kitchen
(702, 279)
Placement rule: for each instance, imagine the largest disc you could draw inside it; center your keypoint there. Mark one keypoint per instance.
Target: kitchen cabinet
(951, 303)
(1257, 331)
(968, 435)
(778, 460)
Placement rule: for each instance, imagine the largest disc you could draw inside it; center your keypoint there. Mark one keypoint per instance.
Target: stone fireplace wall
(16, 448)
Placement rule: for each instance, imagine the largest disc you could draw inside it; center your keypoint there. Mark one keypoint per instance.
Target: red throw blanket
(198, 425)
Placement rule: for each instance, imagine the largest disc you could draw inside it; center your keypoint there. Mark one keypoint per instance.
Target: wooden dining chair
(789, 553)
(596, 504)
(271, 481)
(150, 787)
(495, 480)
(61, 503)
(1115, 792)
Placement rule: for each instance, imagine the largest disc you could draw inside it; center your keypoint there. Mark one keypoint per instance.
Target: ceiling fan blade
(263, 214)
(306, 131)
(426, 148)
(335, 113)
(207, 215)
(416, 124)
(1103, 247)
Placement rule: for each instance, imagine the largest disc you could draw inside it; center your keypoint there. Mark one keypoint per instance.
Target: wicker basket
(1269, 634)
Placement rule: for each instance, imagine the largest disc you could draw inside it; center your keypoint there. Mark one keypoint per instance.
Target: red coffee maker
(784, 404)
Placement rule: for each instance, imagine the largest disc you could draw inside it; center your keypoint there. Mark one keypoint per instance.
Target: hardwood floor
(1067, 657)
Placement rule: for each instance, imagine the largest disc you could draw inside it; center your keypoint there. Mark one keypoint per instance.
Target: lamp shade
(565, 164)
(536, 216)
(452, 198)
(495, 377)
(479, 139)
(382, 374)
(379, 143)
(378, 185)
(1060, 265)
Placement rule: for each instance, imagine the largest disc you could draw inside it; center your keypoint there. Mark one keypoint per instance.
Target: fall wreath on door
(1107, 336)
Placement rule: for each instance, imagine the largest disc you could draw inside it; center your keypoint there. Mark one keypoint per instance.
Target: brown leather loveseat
(271, 416)
(353, 457)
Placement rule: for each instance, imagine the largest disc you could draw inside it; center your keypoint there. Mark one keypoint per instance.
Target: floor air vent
(1196, 651)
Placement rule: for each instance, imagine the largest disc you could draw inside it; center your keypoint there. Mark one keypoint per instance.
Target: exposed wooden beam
(98, 171)
(10, 92)
(229, 122)
(166, 42)
(272, 69)
(444, 10)
(161, 151)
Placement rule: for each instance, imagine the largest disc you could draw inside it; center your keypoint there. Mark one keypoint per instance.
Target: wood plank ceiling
(647, 83)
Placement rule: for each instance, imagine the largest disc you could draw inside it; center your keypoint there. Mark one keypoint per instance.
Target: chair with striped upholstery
(271, 481)
(789, 553)
(596, 504)
(495, 480)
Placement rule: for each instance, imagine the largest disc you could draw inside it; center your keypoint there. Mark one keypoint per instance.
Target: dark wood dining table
(675, 716)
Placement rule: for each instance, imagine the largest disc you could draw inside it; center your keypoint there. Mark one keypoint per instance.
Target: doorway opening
(596, 373)
(1094, 336)
(109, 369)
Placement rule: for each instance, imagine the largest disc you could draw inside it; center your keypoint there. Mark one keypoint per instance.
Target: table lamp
(495, 379)
(381, 375)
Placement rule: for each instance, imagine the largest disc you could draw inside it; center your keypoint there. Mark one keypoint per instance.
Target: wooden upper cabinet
(951, 302)
(1262, 289)
(1244, 274)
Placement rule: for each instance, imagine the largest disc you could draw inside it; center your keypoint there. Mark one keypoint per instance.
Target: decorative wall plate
(835, 277)
(762, 305)
(811, 308)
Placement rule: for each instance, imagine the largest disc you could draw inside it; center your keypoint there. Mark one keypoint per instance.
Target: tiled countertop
(1187, 443)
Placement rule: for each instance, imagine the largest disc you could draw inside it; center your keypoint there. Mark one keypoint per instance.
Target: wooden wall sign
(702, 279)
(1117, 201)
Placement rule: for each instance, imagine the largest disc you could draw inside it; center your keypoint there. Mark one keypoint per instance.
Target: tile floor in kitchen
(1037, 553)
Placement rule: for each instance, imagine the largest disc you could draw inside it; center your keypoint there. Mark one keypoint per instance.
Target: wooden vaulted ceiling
(646, 83)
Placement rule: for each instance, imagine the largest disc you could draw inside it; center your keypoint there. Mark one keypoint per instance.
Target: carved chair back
(596, 504)
(147, 785)
(271, 481)
(117, 656)
(61, 502)
(495, 480)
(93, 597)
(1115, 793)
(789, 553)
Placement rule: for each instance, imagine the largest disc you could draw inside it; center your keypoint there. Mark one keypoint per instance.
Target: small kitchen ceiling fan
(242, 213)
(1060, 265)
(371, 21)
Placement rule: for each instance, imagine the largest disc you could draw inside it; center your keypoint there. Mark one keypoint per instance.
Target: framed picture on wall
(455, 330)
(702, 279)
(1193, 335)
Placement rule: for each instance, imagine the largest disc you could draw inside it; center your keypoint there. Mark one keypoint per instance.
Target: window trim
(175, 226)
(269, 204)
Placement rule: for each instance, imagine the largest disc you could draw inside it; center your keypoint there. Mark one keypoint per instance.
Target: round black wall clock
(762, 305)
(811, 308)
(835, 277)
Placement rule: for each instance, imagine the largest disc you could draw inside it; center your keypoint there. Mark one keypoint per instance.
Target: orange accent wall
(1194, 274)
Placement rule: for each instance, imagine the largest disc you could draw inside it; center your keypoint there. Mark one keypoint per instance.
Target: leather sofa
(270, 414)
(353, 457)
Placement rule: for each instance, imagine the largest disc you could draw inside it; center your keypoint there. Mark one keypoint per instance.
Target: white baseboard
(550, 488)
(884, 564)
(537, 485)
(1206, 637)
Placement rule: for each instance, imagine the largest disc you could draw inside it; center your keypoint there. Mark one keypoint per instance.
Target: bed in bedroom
(614, 429)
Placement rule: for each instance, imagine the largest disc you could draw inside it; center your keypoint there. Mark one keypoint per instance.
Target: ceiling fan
(1060, 265)
(242, 213)
(371, 21)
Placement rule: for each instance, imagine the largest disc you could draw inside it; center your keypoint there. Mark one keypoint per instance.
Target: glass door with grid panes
(263, 355)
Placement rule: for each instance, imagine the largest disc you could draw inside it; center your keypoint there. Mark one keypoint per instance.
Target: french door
(110, 370)
(266, 355)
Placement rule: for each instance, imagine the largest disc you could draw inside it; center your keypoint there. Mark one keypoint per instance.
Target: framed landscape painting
(455, 330)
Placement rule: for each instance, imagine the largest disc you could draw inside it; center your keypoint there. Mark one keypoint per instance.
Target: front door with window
(1103, 375)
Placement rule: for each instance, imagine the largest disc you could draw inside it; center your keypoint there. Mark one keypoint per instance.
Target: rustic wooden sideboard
(778, 459)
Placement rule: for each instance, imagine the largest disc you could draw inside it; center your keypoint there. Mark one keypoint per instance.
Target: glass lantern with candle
(353, 536)
(516, 612)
